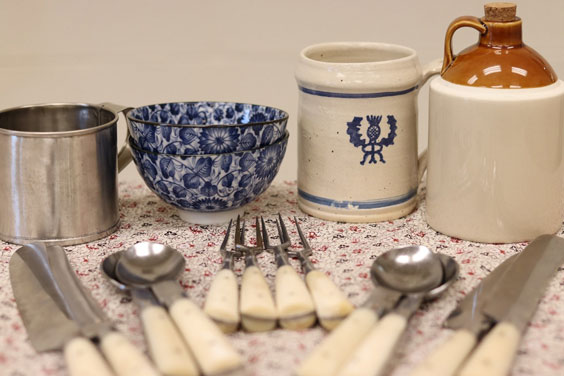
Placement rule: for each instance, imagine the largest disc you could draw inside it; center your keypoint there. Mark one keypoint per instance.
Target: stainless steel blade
(468, 312)
(518, 292)
(53, 271)
(48, 327)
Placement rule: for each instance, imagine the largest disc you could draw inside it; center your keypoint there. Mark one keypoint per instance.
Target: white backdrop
(138, 52)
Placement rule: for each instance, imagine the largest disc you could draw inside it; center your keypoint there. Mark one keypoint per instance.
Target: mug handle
(124, 155)
(429, 70)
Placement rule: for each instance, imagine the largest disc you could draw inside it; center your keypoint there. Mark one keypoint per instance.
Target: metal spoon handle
(331, 304)
(328, 357)
(222, 302)
(125, 358)
(84, 359)
(448, 357)
(375, 350)
(293, 300)
(212, 351)
(167, 348)
(258, 310)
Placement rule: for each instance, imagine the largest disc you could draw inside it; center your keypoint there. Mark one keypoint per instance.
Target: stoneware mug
(357, 130)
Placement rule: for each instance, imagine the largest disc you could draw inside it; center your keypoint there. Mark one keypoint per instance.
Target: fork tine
(286, 237)
(258, 234)
(238, 230)
(242, 239)
(223, 246)
(302, 237)
(265, 238)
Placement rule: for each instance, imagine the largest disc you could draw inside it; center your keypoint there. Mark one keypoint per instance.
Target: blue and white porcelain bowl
(205, 127)
(210, 188)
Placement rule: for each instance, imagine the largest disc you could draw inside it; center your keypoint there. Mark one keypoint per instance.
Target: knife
(469, 322)
(513, 303)
(58, 312)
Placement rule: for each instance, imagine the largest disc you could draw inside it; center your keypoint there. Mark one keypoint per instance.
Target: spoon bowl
(108, 268)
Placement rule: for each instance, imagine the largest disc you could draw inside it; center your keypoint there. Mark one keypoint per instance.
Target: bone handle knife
(83, 359)
(331, 304)
(258, 310)
(334, 350)
(210, 347)
(126, 359)
(448, 357)
(166, 346)
(494, 355)
(370, 357)
(293, 300)
(222, 301)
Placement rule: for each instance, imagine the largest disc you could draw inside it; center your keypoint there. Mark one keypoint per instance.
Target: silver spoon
(167, 348)
(395, 268)
(418, 275)
(157, 266)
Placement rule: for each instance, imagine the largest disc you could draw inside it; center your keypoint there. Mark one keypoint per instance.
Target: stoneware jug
(495, 168)
(357, 130)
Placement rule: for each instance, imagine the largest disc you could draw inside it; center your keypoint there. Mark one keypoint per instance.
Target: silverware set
(296, 304)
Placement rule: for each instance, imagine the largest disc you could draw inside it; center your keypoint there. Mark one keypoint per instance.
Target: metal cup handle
(124, 156)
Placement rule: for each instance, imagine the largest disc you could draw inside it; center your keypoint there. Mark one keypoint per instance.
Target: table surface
(344, 250)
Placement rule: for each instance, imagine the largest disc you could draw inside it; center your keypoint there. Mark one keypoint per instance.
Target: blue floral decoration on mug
(371, 147)
(205, 127)
(211, 182)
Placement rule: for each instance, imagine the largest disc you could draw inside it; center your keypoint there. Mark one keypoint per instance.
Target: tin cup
(357, 130)
(58, 172)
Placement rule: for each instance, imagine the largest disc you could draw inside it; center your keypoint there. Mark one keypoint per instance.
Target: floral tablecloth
(344, 250)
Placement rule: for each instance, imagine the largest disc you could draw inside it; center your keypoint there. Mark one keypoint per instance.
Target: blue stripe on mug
(330, 94)
(372, 204)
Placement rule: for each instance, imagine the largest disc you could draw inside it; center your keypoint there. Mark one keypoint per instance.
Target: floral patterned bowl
(210, 188)
(205, 127)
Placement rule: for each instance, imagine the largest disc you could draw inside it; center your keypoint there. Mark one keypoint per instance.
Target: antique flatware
(417, 274)
(222, 301)
(469, 322)
(157, 266)
(339, 345)
(258, 310)
(293, 300)
(166, 346)
(59, 313)
(331, 304)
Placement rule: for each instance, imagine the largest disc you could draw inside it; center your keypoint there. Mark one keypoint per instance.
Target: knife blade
(48, 328)
(51, 269)
(469, 321)
(512, 303)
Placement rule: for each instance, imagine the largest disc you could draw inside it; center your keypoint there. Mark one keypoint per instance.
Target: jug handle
(124, 155)
(464, 21)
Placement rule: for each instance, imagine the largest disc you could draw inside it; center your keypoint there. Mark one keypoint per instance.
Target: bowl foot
(210, 218)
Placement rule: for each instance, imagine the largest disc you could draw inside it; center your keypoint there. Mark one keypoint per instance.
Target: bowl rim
(213, 125)
(133, 145)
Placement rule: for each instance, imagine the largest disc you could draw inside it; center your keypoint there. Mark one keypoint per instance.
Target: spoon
(167, 348)
(396, 267)
(156, 266)
(418, 275)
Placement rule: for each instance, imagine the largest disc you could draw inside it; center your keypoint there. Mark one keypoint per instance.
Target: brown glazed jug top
(500, 59)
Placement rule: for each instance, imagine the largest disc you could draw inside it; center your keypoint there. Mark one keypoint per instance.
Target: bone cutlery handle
(210, 347)
(222, 302)
(334, 350)
(258, 310)
(370, 357)
(84, 359)
(448, 357)
(166, 346)
(125, 358)
(494, 355)
(293, 301)
(331, 304)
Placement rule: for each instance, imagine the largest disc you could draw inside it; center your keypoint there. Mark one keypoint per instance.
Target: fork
(295, 306)
(258, 311)
(331, 304)
(223, 296)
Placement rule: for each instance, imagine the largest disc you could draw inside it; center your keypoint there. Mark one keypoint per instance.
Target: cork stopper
(500, 12)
